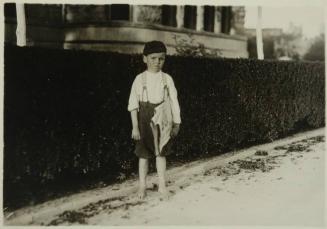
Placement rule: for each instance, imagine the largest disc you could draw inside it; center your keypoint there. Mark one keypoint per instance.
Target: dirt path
(280, 183)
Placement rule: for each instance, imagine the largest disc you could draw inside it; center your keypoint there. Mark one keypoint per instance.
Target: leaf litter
(260, 161)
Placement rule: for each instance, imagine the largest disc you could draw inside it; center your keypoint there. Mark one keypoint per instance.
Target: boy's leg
(155, 132)
(161, 169)
(143, 171)
(160, 162)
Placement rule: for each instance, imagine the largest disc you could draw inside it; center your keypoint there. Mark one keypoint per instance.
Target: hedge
(66, 118)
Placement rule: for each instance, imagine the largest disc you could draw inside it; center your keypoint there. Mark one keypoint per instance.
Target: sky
(311, 18)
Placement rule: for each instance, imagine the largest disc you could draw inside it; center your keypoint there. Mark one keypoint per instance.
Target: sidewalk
(275, 184)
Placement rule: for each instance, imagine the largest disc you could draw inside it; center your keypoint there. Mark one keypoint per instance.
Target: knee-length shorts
(144, 147)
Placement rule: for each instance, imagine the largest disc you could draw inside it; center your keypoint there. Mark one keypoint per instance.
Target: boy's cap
(154, 47)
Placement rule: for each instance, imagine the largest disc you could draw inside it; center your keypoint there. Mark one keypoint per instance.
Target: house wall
(131, 39)
(89, 27)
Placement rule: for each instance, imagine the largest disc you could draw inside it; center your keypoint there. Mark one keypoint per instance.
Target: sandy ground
(276, 184)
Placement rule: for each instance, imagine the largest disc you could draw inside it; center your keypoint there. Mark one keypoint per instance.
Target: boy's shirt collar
(153, 73)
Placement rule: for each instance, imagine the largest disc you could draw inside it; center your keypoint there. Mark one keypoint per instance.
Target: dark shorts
(144, 147)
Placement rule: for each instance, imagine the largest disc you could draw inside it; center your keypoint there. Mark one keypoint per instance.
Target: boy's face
(154, 61)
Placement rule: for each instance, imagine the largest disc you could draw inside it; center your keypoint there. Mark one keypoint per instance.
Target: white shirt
(155, 92)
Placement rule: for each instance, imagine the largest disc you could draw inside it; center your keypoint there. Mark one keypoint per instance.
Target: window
(10, 10)
(169, 15)
(226, 17)
(119, 12)
(190, 17)
(43, 14)
(209, 18)
(85, 13)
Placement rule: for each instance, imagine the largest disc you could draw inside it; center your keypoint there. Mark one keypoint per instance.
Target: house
(279, 44)
(124, 28)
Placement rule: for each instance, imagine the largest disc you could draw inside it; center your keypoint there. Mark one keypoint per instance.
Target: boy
(148, 92)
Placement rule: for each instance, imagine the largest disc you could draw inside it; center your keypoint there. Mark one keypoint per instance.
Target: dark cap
(154, 47)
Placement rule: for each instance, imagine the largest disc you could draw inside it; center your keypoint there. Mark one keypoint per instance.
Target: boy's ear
(144, 59)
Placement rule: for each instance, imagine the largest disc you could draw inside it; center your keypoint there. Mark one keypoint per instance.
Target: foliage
(149, 14)
(66, 118)
(190, 47)
(316, 51)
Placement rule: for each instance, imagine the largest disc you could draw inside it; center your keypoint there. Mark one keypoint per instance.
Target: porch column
(199, 18)
(217, 23)
(259, 35)
(21, 24)
(135, 13)
(63, 13)
(180, 16)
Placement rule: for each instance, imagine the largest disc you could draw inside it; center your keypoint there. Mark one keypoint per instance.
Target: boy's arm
(133, 105)
(135, 130)
(175, 108)
(174, 101)
(175, 130)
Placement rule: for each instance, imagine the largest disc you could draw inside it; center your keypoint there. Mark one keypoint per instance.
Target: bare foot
(164, 193)
(141, 193)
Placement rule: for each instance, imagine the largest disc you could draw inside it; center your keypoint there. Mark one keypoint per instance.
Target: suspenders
(144, 88)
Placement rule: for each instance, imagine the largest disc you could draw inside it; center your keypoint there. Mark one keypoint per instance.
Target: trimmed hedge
(66, 118)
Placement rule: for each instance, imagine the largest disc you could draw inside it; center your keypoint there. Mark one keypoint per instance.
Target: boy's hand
(136, 134)
(174, 130)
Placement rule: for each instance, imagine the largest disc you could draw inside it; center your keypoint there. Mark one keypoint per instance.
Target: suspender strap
(166, 91)
(144, 88)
